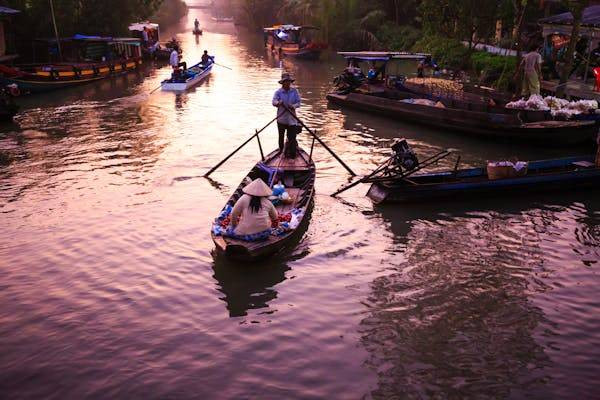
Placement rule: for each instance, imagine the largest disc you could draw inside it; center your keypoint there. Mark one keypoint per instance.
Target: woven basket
(505, 171)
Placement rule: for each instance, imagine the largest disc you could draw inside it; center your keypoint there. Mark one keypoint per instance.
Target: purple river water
(110, 288)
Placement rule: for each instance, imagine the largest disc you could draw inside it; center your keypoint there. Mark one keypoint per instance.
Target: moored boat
(88, 59)
(488, 125)
(298, 176)
(565, 174)
(222, 19)
(153, 49)
(293, 41)
(185, 79)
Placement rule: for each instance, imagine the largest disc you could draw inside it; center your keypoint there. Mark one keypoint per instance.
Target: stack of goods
(280, 196)
(438, 87)
(506, 169)
(559, 108)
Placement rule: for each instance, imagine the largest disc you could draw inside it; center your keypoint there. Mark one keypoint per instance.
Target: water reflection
(459, 315)
(248, 287)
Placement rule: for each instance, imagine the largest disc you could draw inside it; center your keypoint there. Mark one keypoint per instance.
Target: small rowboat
(188, 78)
(298, 176)
(197, 31)
(566, 174)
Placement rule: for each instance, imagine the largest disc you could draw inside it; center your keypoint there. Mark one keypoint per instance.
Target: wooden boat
(299, 180)
(498, 126)
(222, 19)
(566, 174)
(154, 50)
(293, 41)
(188, 78)
(197, 32)
(98, 62)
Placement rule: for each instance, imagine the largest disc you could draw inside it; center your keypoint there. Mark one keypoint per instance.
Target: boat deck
(297, 164)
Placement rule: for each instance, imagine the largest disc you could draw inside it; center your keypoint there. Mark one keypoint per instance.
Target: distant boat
(222, 19)
(188, 78)
(293, 41)
(197, 31)
(155, 51)
(92, 58)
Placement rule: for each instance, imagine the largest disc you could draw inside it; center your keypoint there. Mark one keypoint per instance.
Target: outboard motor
(404, 156)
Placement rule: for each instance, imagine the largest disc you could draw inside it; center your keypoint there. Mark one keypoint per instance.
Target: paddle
(320, 141)
(221, 65)
(155, 89)
(213, 169)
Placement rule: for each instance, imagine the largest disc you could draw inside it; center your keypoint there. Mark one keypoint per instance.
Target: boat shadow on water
(252, 286)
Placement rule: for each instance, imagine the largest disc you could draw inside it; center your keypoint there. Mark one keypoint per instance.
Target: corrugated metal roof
(591, 17)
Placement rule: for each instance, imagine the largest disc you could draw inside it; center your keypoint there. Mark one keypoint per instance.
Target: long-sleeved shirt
(290, 98)
(247, 222)
(174, 59)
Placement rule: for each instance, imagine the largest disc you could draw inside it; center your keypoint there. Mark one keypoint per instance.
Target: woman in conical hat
(253, 212)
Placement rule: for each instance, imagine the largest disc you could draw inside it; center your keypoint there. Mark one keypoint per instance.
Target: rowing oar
(364, 178)
(239, 148)
(154, 90)
(320, 141)
(221, 65)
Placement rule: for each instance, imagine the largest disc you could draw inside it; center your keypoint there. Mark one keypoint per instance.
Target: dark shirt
(205, 58)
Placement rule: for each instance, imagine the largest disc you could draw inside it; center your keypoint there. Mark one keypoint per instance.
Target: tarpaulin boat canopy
(382, 55)
(8, 11)
(563, 23)
(139, 26)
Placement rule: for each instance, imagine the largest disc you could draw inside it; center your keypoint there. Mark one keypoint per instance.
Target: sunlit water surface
(109, 287)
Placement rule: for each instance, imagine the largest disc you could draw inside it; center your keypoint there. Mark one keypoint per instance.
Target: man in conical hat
(287, 98)
(254, 213)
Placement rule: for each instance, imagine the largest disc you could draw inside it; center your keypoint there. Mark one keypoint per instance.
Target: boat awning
(8, 11)
(139, 26)
(382, 55)
(563, 23)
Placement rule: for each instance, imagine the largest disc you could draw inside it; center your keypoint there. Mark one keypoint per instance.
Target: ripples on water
(110, 289)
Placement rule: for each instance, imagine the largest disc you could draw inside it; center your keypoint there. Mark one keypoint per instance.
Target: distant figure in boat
(174, 60)
(254, 213)
(196, 25)
(206, 58)
(287, 98)
(428, 63)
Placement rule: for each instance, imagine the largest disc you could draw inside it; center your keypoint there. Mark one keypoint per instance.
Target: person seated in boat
(174, 60)
(427, 63)
(254, 213)
(206, 59)
(287, 100)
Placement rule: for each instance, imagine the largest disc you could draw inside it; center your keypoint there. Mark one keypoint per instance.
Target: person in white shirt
(145, 37)
(531, 68)
(174, 60)
(287, 100)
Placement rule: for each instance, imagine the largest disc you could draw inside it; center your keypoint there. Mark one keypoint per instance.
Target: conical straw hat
(258, 188)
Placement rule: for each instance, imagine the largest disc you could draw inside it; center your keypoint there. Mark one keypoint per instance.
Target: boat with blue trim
(184, 79)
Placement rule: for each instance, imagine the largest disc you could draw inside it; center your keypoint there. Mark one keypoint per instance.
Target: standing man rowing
(287, 98)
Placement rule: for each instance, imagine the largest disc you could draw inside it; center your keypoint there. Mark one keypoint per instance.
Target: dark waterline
(110, 289)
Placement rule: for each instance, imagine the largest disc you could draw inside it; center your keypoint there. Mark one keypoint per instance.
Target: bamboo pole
(56, 30)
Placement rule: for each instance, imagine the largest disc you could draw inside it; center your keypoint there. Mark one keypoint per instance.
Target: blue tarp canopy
(8, 11)
(591, 17)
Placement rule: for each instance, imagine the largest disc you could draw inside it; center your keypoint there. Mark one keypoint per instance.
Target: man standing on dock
(287, 100)
(531, 69)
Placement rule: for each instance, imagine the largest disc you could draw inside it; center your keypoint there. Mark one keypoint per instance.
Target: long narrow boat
(498, 126)
(188, 78)
(89, 59)
(566, 174)
(298, 176)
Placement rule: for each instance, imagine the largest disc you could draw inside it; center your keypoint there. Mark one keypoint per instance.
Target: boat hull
(182, 86)
(497, 126)
(39, 84)
(543, 176)
(254, 251)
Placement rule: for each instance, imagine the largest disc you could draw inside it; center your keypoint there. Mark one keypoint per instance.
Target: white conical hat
(258, 188)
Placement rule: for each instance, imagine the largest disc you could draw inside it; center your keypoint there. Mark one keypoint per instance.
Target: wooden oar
(213, 169)
(320, 141)
(154, 90)
(221, 65)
